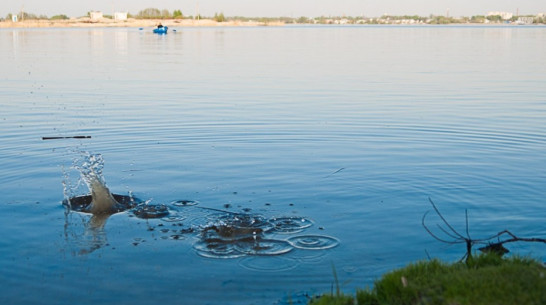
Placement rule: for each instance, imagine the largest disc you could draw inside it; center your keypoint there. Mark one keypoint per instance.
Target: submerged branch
(496, 247)
(444, 220)
(432, 234)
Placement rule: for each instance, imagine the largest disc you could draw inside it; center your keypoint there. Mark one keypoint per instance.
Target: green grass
(485, 280)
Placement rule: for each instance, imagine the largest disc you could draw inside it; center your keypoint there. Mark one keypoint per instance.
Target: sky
(275, 8)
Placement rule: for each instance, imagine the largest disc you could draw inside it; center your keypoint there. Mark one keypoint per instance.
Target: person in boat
(159, 26)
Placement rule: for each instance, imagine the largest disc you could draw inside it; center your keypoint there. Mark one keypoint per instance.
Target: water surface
(351, 127)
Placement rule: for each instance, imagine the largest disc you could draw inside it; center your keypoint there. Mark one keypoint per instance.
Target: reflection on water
(121, 42)
(86, 236)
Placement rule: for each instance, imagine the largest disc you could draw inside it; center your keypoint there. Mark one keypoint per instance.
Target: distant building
(120, 16)
(525, 20)
(95, 15)
(504, 15)
(14, 18)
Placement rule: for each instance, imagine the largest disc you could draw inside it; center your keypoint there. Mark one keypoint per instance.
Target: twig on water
(339, 170)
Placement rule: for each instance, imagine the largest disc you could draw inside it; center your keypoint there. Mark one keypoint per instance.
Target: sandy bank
(86, 22)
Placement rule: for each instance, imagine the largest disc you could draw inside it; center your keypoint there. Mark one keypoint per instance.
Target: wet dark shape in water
(232, 235)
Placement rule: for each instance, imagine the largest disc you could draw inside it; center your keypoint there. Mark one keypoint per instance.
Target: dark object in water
(72, 137)
(496, 248)
(184, 203)
(83, 203)
(228, 233)
(147, 211)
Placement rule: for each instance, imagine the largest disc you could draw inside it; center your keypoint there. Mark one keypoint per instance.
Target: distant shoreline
(88, 23)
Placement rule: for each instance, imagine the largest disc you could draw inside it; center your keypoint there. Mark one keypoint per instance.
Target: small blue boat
(162, 30)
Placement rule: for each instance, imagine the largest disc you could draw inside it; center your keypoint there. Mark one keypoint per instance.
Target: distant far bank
(153, 16)
(131, 22)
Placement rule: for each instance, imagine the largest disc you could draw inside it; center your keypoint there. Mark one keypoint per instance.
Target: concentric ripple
(147, 211)
(268, 264)
(313, 242)
(241, 220)
(264, 247)
(217, 249)
(184, 203)
(173, 218)
(290, 225)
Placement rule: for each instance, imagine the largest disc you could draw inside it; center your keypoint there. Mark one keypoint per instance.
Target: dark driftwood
(457, 238)
(72, 137)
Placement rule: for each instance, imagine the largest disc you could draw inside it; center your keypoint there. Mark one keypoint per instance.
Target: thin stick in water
(71, 137)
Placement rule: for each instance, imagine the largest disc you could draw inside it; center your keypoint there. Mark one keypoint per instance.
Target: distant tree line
(30, 16)
(155, 13)
(219, 17)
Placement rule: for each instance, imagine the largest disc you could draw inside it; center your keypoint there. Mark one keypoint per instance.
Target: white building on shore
(525, 20)
(95, 15)
(120, 16)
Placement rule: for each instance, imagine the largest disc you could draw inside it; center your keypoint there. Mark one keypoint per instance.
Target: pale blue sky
(294, 8)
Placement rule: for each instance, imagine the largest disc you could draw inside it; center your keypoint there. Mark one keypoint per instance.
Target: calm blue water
(351, 127)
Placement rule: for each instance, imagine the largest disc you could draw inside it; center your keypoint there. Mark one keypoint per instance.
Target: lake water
(350, 128)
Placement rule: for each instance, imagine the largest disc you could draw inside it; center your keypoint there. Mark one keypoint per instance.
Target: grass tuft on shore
(484, 279)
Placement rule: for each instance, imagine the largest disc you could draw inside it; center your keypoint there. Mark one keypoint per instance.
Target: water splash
(91, 168)
(100, 200)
